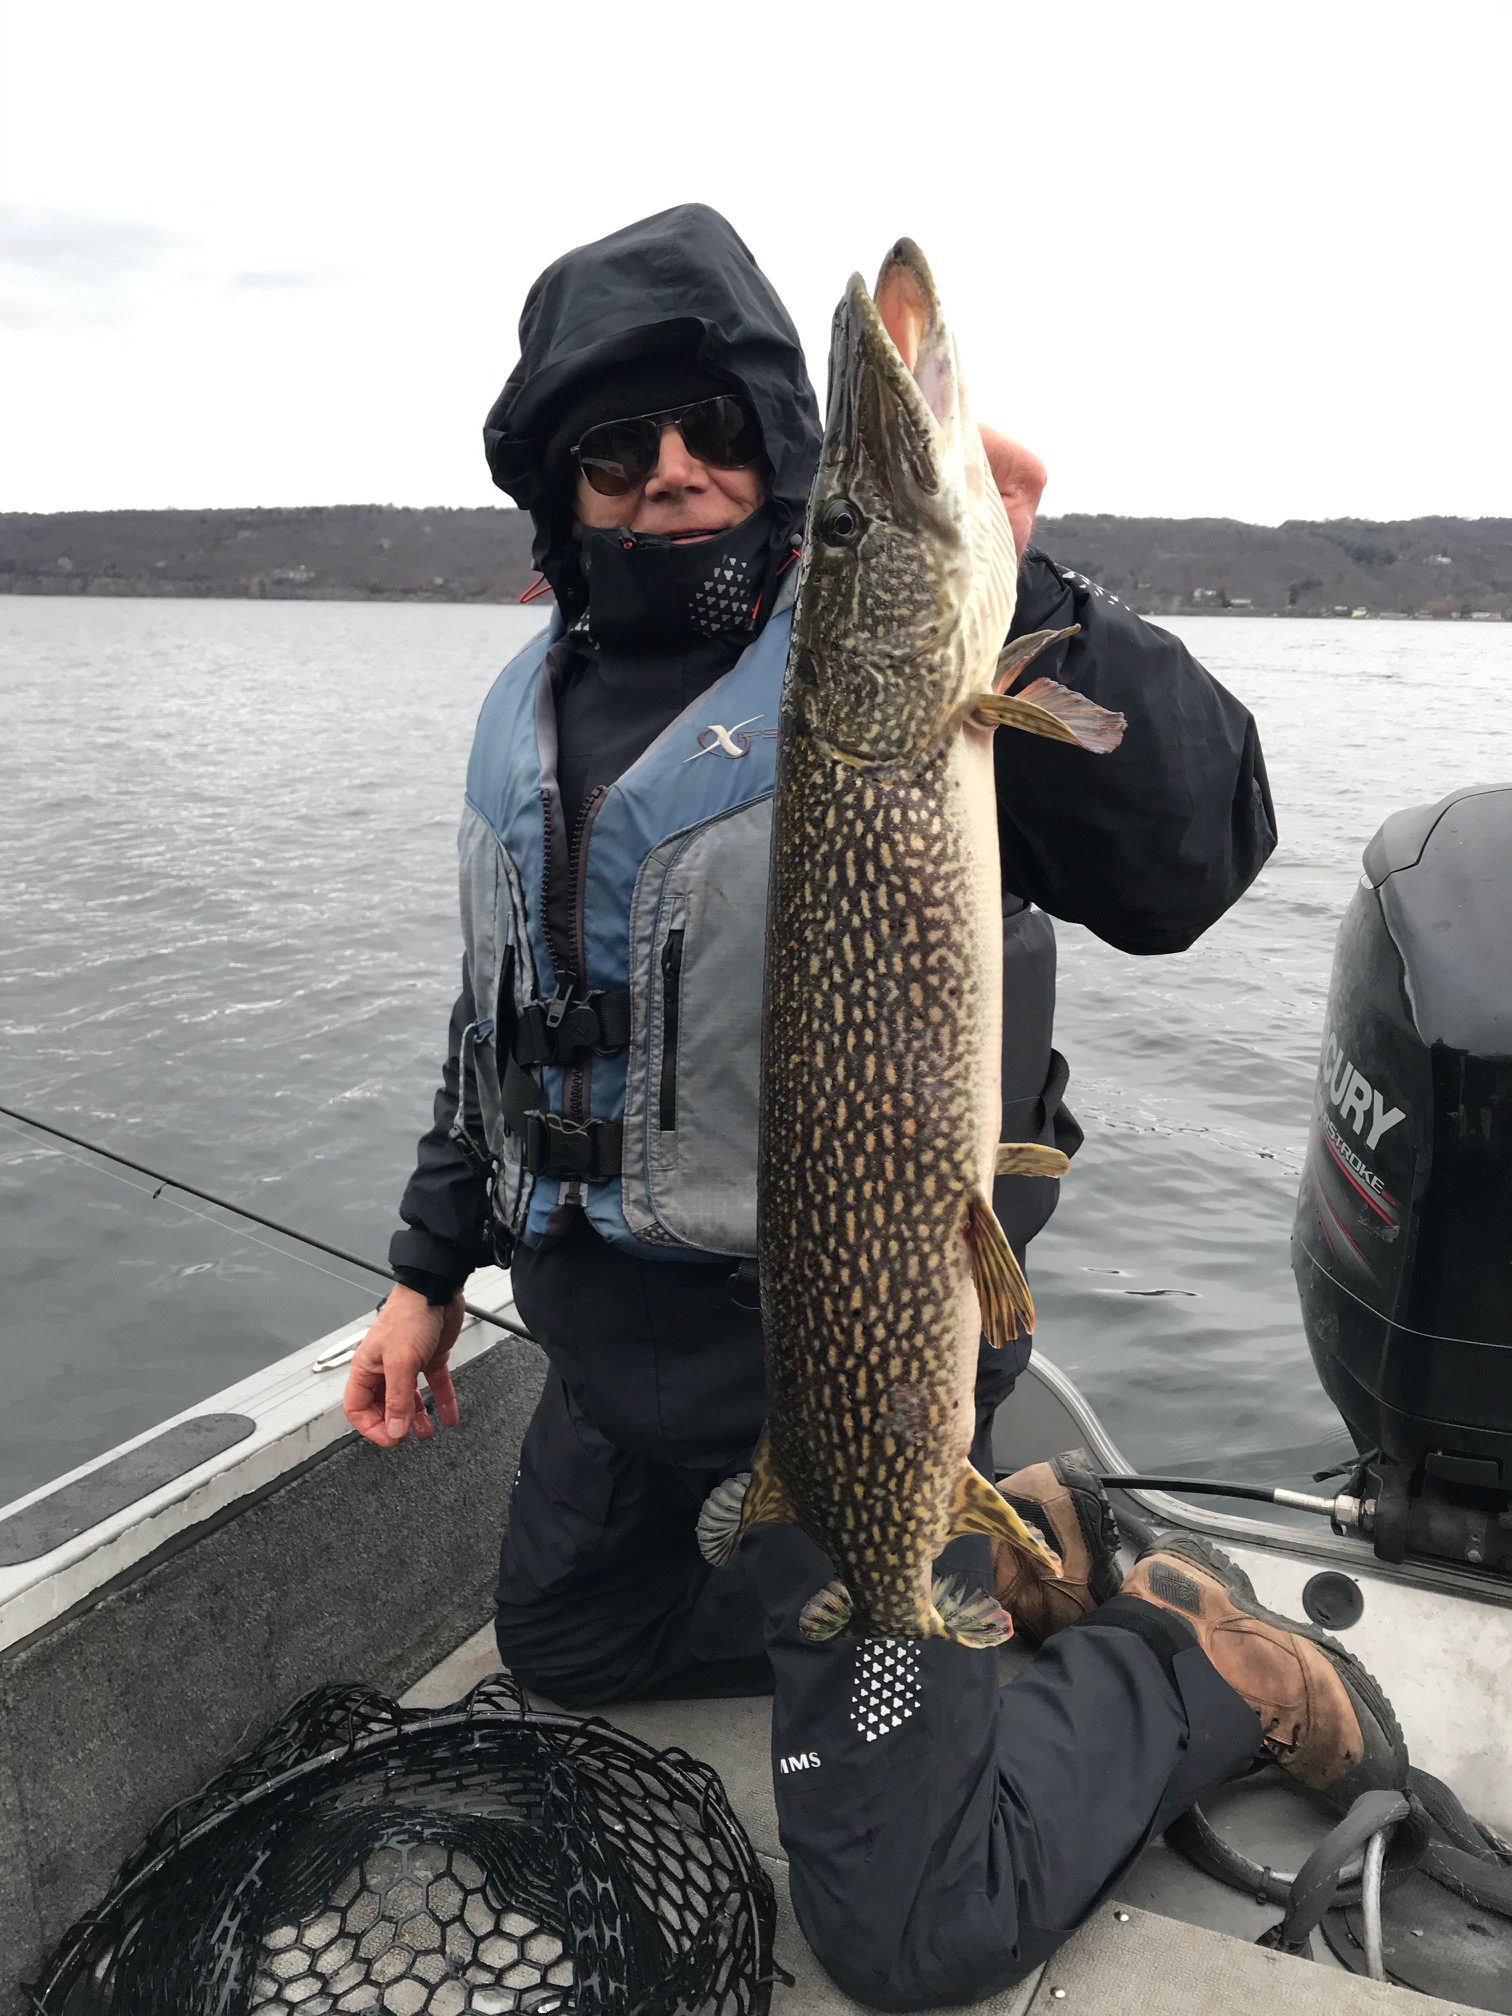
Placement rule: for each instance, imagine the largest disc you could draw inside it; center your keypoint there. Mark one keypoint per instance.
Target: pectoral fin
(979, 1507)
(826, 1615)
(1021, 651)
(1047, 708)
(969, 1616)
(1029, 1158)
(1007, 1305)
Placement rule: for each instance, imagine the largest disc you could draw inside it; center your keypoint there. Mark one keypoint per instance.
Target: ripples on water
(228, 946)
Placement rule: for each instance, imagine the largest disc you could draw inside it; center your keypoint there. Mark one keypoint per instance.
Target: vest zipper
(671, 966)
(548, 877)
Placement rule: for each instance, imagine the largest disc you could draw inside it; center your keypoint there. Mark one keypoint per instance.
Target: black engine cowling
(1402, 1247)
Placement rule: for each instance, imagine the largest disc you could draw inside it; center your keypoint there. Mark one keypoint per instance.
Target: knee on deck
(910, 1956)
(567, 1668)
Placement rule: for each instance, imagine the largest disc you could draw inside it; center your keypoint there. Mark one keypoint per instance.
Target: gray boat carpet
(1123, 1961)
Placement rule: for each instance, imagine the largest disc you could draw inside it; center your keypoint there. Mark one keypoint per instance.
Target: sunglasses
(617, 456)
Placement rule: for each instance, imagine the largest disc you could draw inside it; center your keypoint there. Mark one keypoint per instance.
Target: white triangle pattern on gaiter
(723, 601)
(885, 1685)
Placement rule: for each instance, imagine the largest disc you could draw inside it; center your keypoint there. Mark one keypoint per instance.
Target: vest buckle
(572, 1151)
(565, 1027)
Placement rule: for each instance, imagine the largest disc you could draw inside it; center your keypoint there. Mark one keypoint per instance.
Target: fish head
(909, 565)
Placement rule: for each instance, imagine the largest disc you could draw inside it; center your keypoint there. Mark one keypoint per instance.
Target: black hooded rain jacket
(1146, 847)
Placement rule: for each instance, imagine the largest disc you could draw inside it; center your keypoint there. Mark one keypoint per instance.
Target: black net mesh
(469, 1862)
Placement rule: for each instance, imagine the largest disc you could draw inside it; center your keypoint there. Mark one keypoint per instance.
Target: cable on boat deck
(1385, 1839)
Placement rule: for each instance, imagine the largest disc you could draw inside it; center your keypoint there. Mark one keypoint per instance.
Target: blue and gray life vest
(614, 1062)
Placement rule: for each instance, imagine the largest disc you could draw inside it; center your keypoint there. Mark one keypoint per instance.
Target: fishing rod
(1344, 1510)
(241, 1211)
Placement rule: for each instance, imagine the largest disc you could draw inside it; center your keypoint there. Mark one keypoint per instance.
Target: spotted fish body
(880, 1259)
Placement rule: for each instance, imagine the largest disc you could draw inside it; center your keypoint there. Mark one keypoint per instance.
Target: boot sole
(1096, 1518)
(1366, 1693)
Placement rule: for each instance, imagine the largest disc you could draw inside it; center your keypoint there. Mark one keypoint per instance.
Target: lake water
(228, 948)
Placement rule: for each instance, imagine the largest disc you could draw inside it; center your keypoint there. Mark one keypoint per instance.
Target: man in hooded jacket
(594, 1131)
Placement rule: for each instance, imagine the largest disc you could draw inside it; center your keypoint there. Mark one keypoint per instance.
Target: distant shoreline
(118, 591)
(1424, 569)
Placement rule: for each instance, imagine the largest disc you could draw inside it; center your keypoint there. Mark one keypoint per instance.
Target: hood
(681, 280)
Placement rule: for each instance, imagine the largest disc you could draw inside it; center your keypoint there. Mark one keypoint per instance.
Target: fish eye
(839, 523)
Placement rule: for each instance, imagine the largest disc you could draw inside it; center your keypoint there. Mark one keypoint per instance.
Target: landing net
(474, 1861)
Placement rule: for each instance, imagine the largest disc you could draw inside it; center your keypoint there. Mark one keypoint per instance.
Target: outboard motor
(1402, 1247)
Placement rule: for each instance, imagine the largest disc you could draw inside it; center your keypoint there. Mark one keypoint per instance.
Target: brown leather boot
(1066, 1500)
(1323, 1718)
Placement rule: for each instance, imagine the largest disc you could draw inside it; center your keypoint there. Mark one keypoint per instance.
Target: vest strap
(572, 1150)
(552, 1032)
(472, 1147)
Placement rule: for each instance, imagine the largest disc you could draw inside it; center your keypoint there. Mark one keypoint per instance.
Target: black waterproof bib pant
(944, 1834)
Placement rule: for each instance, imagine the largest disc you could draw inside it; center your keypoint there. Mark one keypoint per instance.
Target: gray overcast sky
(1212, 259)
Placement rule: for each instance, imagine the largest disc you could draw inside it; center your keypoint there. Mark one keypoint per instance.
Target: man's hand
(1020, 478)
(381, 1400)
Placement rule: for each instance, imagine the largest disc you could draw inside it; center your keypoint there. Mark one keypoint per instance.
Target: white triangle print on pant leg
(885, 1685)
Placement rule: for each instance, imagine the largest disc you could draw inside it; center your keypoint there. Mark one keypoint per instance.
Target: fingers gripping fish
(881, 1261)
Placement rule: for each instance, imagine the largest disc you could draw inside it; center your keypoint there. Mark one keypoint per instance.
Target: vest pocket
(697, 946)
(671, 968)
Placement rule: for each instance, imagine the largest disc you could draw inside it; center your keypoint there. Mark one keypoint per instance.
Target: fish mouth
(893, 383)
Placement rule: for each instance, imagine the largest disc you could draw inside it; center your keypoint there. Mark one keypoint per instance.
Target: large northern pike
(881, 1261)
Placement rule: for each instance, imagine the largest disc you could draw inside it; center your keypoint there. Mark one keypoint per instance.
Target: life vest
(617, 973)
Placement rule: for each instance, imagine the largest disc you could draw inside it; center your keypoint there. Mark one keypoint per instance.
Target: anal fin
(755, 1497)
(1007, 1305)
(721, 1520)
(979, 1507)
(1029, 1158)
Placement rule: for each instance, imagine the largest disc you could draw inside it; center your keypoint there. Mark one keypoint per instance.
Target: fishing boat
(162, 1604)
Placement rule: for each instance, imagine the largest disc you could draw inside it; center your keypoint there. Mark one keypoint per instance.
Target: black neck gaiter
(648, 593)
